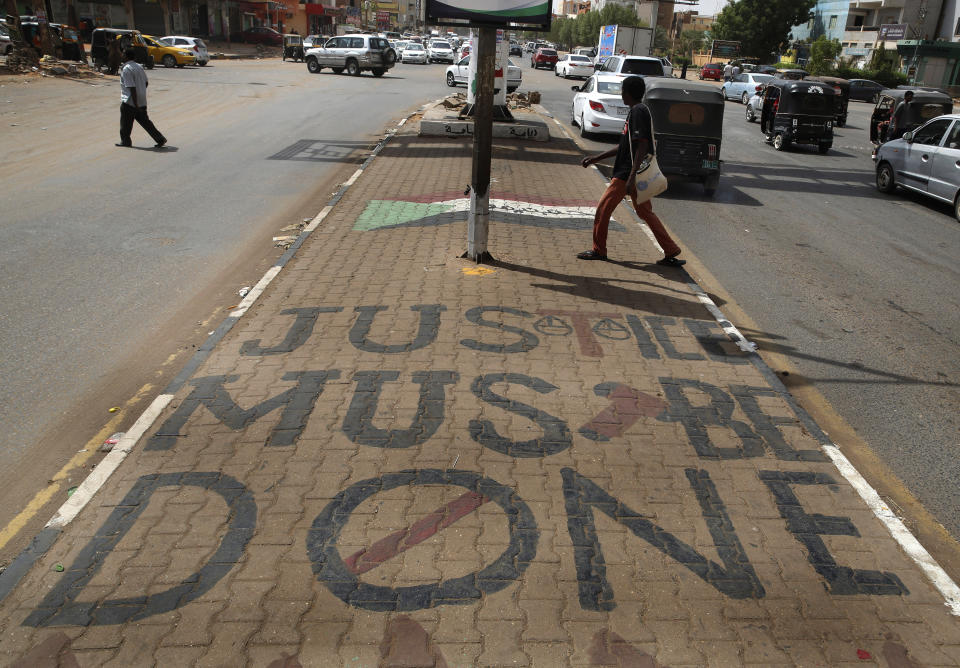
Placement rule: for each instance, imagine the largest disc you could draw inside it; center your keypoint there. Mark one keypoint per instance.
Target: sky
(710, 7)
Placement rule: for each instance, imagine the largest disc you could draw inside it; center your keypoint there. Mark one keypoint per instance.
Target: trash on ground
(243, 291)
(113, 409)
(110, 442)
(71, 491)
(58, 568)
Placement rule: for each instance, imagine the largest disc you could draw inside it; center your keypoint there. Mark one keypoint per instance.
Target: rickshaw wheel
(841, 122)
(886, 182)
(779, 142)
(823, 148)
(751, 117)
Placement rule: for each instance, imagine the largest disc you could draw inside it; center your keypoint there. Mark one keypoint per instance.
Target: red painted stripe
(402, 540)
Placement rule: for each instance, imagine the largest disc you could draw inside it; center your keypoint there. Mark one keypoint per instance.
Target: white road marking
(256, 291)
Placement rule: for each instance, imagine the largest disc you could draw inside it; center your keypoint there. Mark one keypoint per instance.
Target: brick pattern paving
(399, 459)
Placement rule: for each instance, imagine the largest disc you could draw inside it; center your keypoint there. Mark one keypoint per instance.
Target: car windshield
(548, 52)
(712, 66)
(441, 45)
(413, 47)
(580, 59)
(166, 41)
(609, 87)
(641, 66)
(379, 43)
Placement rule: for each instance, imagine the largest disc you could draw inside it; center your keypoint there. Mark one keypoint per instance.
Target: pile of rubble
(25, 60)
(523, 100)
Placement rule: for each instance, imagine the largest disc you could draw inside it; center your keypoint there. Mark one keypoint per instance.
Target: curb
(912, 547)
(15, 571)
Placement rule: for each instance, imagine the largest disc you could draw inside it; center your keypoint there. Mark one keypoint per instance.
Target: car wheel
(353, 68)
(956, 208)
(751, 117)
(313, 65)
(202, 63)
(841, 122)
(378, 71)
(744, 98)
(450, 80)
(168, 61)
(823, 148)
(573, 116)
(779, 142)
(886, 181)
(875, 98)
(586, 134)
(337, 70)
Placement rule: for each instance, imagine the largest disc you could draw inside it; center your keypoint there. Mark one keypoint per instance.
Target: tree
(761, 26)
(690, 42)
(823, 55)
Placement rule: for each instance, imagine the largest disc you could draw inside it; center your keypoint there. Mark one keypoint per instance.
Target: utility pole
(478, 223)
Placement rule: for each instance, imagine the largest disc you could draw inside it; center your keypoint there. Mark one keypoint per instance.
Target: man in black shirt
(638, 132)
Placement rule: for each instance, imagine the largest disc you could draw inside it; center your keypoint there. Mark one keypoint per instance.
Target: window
(337, 43)
(638, 66)
(609, 87)
(355, 43)
(588, 87)
(953, 139)
(931, 133)
(833, 22)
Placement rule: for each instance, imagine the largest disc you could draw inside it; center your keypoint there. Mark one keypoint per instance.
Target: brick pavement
(397, 458)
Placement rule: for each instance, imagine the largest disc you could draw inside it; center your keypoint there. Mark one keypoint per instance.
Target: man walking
(638, 130)
(133, 102)
(727, 72)
(897, 121)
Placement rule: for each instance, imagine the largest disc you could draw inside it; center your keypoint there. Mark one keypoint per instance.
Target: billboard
(890, 32)
(526, 13)
(608, 42)
(725, 50)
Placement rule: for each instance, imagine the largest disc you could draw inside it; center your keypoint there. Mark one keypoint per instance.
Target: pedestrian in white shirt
(133, 102)
(727, 72)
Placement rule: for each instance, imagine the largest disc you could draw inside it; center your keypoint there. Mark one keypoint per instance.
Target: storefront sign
(890, 32)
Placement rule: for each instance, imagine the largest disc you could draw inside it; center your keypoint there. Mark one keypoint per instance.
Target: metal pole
(478, 224)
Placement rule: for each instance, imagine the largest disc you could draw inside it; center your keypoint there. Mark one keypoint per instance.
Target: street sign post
(488, 16)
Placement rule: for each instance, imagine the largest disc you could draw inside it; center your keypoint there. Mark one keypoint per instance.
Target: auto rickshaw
(793, 75)
(842, 88)
(100, 42)
(798, 112)
(293, 47)
(926, 104)
(688, 129)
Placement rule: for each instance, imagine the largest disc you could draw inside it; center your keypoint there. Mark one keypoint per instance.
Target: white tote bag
(650, 180)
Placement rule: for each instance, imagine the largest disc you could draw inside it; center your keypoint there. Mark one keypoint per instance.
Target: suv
(353, 53)
(440, 50)
(637, 65)
(712, 71)
(544, 57)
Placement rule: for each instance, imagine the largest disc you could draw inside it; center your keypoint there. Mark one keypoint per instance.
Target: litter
(243, 291)
(58, 568)
(114, 409)
(110, 442)
(71, 491)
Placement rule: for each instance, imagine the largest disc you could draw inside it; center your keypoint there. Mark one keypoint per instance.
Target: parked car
(353, 54)
(598, 106)
(766, 69)
(572, 65)
(459, 73)
(667, 66)
(194, 44)
(6, 45)
(414, 53)
(258, 35)
(168, 56)
(925, 161)
(743, 86)
(865, 90)
(644, 66)
(711, 71)
(544, 57)
(440, 51)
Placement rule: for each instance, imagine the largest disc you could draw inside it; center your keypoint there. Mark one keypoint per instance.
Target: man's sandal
(671, 262)
(591, 255)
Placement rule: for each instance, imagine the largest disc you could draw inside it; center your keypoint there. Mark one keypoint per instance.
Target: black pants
(128, 115)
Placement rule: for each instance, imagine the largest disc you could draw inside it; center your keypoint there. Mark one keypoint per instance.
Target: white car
(667, 66)
(414, 53)
(440, 50)
(398, 46)
(645, 66)
(194, 44)
(460, 72)
(598, 106)
(754, 107)
(573, 65)
(744, 86)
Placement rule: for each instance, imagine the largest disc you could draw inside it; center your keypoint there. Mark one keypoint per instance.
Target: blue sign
(608, 42)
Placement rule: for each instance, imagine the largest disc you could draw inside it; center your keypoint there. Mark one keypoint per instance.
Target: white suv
(440, 51)
(353, 54)
(633, 65)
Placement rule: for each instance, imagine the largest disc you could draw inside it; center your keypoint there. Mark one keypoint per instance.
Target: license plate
(710, 164)
(621, 111)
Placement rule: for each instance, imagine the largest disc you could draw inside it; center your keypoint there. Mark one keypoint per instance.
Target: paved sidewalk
(399, 458)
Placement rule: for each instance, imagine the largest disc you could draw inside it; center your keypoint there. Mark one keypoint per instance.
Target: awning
(314, 9)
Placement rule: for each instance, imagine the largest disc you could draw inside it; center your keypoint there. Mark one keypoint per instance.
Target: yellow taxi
(166, 55)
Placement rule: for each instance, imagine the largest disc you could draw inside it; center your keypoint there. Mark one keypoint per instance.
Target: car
(258, 35)
(464, 51)
(353, 54)
(598, 106)
(711, 71)
(459, 73)
(530, 47)
(925, 161)
(588, 51)
(6, 45)
(166, 55)
(743, 86)
(645, 66)
(667, 66)
(516, 49)
(766, 69)
(544, 57)
(754, 107)
(440, 51)
(414, 53)
(866, 90)
(194, 44)
(313, 41)
(572, 65)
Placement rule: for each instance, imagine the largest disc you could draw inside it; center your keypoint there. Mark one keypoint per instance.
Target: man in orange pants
(638, 129)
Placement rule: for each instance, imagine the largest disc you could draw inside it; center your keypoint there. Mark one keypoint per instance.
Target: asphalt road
(859, 290)
(114, 260)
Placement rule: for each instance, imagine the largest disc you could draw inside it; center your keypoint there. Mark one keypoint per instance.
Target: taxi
(168, 56)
